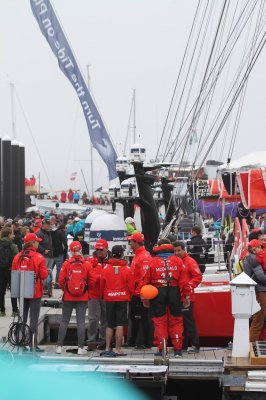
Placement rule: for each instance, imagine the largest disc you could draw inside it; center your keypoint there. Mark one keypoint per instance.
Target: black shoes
(194, 350)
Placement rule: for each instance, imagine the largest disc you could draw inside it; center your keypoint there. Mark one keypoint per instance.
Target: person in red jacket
(166, 272)
(73, 280)
(29, 259)
(194, 278)
(63, 197)
(96, 306)
(117, 286)
(138, 314)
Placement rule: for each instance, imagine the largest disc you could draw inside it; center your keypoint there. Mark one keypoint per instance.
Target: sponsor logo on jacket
(170, 268)
(112, 294)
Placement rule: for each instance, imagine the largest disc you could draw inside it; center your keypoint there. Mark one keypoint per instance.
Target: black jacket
(59, 242)
(46, 243)
(198, 249)
(80, 238)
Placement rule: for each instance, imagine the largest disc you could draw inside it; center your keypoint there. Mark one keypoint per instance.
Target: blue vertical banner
(53, 33)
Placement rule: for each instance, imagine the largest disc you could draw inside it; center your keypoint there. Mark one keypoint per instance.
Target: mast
(134, 115)
(84, 180)
(91, 146)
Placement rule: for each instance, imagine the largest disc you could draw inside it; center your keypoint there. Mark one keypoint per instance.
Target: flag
(73, 176)
(52, 31)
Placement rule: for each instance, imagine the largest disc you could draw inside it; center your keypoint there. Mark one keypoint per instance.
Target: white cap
(76, 219)
(129, 220)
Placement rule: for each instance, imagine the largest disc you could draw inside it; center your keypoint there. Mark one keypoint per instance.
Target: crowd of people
(107, 283)
(74, 196)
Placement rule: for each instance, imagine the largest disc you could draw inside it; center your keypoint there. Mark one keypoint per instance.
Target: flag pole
(91, 146)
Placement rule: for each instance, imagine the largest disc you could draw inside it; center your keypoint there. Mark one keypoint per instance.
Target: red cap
(137, 237)
(256, 230)
(31, 237)
(254, 243)
(75, 246)
(101, 244)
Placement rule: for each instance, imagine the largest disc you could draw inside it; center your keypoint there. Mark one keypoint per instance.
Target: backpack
(5, 255)
(76, 283)
(26, 262)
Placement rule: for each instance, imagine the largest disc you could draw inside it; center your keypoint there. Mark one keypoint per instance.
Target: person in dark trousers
(18, 237)
(197, 248)
(8, 250)
(59, 243)
(79, 236)
(138, 314)
(117, 286)
(74, 272)
(194, 277)
(254, 269)
(46, 246)
(28, 258)
(96, 305)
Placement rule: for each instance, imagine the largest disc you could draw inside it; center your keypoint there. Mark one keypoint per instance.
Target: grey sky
(129, 44)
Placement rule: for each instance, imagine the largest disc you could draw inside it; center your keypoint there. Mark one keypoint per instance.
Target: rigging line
(181, 96)
(207, 111)
(245, 77)
(208, 93)
(230, 90)
(235, 41)
(205, 74)
(209, 102)
(178, 77)
(240, 108)
(225, 85)
(182, 124)
(32, 137)
(208, 64)
(194, 74)
(200, 166)
(128, 126)
(70, 149)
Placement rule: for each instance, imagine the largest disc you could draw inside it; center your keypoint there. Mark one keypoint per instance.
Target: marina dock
(211, 367)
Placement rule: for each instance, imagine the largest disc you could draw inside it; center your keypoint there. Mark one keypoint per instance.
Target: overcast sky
(133, 44)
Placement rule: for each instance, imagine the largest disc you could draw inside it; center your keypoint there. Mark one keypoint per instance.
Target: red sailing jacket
(140, 265)
(167, 272)
(117, 283)
(95, 276)
(192, 273)
(39, 265)
(64, 274)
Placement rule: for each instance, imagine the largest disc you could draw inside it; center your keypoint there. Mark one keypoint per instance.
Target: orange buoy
(148, 292)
